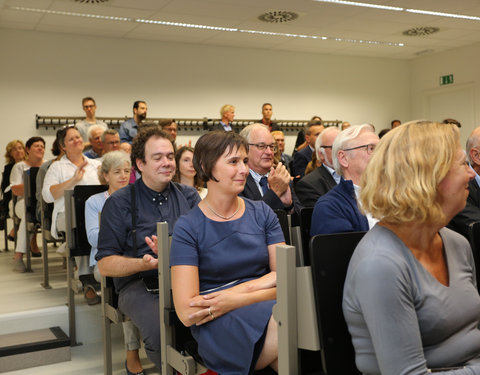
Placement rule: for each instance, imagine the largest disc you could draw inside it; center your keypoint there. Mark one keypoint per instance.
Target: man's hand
(278, 180)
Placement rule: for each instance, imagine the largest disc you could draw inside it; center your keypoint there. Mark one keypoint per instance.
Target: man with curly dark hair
(122, 249)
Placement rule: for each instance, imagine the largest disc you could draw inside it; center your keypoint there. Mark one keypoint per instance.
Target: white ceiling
(315, 19)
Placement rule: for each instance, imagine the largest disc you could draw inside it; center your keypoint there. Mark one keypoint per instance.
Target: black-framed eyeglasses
(369, 148)
(262, 146)
(322, 146)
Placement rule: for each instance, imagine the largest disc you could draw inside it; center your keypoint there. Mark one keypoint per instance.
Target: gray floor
(23, 294)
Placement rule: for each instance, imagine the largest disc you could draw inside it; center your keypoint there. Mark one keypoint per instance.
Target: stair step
(39, 347)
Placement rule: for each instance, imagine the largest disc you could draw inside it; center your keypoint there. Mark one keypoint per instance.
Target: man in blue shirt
(227, 113)
(128, 130)
(122, 252)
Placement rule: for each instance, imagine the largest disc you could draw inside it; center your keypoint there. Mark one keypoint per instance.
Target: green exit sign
(446, 80)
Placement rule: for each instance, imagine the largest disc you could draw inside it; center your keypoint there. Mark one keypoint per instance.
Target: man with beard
(123, 252)
(128, 130)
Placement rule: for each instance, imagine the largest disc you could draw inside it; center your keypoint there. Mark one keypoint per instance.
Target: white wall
(464, 104)
(48, 74)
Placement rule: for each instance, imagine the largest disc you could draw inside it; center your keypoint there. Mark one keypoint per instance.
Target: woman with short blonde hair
(410, 296)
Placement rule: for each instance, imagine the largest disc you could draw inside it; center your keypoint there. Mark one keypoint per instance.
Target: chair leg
(45, 283)
(71, 301)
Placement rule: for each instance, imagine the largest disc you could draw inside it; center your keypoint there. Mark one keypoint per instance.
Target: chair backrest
(305, 224)
(75, 217)
(330, 255)
(474, 239)
(283, 219)
(29, 189)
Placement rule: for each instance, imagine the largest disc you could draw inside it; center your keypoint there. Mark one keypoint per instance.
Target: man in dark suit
(471, 212)
(264, 182)
(323, 178)
(304, 156)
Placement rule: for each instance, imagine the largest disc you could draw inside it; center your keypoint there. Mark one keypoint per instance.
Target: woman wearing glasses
(337, 211)
(223, 263)
(410, 298)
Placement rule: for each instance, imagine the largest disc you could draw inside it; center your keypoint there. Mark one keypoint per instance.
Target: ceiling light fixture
(398, 9)
(206, 27)
(365, 5)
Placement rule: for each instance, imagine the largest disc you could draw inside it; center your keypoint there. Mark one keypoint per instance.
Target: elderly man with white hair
(337, 211)
(324, 178)
(95, 133)
(265, 181)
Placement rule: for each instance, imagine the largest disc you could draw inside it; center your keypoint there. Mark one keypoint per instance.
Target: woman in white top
(35, 149)
(72, 169)
(185, 173)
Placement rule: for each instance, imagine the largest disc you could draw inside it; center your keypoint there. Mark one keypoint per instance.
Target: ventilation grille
(278, 16)
(421, 31)
(92, 1)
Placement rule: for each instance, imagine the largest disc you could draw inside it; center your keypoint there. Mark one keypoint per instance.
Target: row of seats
(313, 335)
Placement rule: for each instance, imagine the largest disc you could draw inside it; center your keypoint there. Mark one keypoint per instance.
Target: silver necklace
(221, 216)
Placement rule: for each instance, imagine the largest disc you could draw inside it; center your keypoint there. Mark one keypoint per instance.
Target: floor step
(33, 348)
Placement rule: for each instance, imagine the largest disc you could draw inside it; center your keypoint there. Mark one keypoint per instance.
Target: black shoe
(11, 238)
(132, 373)
(36, 255)
(91, 300)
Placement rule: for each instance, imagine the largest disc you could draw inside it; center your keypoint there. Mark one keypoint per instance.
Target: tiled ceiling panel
(315, 18)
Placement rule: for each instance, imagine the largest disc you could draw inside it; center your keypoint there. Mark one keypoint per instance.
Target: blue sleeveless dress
(228, 253)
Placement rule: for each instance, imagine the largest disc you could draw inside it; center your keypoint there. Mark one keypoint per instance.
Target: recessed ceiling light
(206, 27)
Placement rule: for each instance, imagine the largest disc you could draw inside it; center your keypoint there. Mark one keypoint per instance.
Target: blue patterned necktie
(264, 184)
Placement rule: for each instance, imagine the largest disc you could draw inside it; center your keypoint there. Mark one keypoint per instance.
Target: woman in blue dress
(223, 263)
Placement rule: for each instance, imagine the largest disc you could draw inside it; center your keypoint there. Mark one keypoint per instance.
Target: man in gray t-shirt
(89, 106)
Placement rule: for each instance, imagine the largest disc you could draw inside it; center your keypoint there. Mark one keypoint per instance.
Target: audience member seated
(95, 134)
(57, 152)
(410, 297)
(14, 153)
(267, 117)
(265, 182)
(312, 164)
(323, 178)
(72, 169)
(110, 141)
(227, 114)
(395, 123)
(169, 126)
(122, 251)
(114, 172)
(338, 211)
(128, 129)
(302, 157)
(185, 173)
(452, 121)
(471, 213)
(35, 149)
(282, 156)
(223, 263)
(300, 142)
(126, 147)
(383, 132)
(89, 106)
